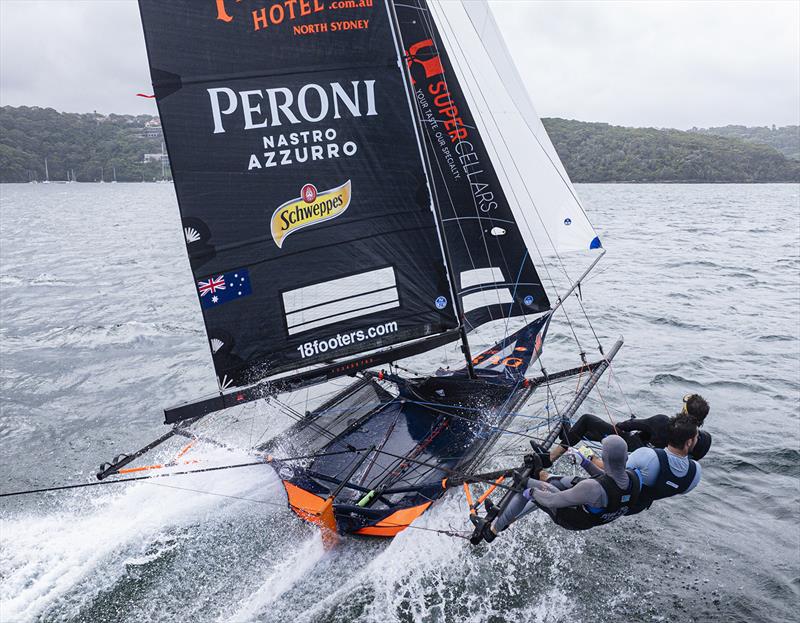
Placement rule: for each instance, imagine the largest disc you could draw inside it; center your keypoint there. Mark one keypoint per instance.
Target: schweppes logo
(310, 208)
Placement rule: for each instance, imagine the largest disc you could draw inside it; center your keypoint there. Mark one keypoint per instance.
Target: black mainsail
(351, 198)
(300, 181)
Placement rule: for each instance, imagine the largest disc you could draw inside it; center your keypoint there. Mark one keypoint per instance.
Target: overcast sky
(636, 63)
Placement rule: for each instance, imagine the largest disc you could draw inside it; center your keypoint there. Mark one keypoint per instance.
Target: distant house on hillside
(156, 158)
(152, 129)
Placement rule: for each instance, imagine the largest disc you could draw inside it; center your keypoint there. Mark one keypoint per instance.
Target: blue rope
(514, 293)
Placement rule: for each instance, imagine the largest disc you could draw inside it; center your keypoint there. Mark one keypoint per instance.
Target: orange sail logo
(310, 208)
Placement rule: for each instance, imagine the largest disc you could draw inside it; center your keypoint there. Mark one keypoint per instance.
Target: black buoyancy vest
(619, 502)
(667, 484)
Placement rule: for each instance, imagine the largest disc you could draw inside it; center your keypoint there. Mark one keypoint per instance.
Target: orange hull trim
(396, 522)
(315, 510)
(319, 511)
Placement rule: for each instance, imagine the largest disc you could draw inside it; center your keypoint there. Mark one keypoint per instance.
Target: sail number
(494, 360)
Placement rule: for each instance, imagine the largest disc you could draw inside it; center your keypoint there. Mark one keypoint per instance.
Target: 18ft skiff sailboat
(361, 182)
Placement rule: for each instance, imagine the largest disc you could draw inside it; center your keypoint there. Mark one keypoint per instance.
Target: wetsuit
(581, 503)
(637, 433)
(664, 474)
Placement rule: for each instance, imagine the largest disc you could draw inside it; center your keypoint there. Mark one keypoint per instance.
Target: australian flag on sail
(217, 289)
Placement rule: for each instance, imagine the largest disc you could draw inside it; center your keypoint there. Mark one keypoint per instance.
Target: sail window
(484, 298)
(332, 301)
(479, 276)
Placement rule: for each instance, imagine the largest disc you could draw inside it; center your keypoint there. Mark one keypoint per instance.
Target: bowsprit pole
(120, 461)
(525, 471)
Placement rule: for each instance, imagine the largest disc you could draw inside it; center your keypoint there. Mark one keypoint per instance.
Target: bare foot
(555, 452)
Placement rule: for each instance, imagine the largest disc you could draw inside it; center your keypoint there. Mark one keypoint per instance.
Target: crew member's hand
(580, 455)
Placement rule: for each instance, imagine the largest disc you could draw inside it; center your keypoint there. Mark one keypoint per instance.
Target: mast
(400, 46)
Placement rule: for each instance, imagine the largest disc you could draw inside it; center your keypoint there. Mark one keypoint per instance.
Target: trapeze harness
(619, 502)
(667, 484)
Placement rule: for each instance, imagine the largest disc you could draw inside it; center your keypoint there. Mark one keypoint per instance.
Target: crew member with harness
(575, 503)
(670, 471)
(637, 432)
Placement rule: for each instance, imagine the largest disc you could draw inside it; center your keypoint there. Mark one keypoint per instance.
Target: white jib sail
(545, 203)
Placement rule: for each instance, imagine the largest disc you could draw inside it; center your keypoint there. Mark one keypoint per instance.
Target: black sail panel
(299, 178)
(494, 273)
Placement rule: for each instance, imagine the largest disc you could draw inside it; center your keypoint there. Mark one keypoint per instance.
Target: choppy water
(100, 330)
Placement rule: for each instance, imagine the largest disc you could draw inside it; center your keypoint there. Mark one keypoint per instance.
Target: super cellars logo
(459, 152)
(311, 208)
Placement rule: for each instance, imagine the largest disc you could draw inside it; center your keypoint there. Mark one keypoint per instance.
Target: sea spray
(63, 559)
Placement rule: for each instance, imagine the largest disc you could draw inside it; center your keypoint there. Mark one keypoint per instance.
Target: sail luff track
(426, 19)
(397, 37)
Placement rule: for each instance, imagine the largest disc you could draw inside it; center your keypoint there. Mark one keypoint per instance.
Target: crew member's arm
(594, 469)
(585, 492)
(634, 424)
(589, 465)
(646, 461)
(651, 430)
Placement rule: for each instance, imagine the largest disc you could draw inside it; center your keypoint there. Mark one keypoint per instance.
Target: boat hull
(387, 466)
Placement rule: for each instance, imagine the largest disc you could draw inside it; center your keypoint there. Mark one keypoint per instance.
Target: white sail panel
(332, 301)
(543, 199)
(480, 276)
(485, 298)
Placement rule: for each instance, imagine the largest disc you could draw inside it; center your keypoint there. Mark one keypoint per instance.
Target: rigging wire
(263, 461)
(427, 18)
(428, 25)
(214, 493)
(505, 143)
(443, 15)
(490, 262)
(456, 62)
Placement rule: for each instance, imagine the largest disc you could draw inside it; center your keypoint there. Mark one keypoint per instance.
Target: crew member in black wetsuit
(637, 432)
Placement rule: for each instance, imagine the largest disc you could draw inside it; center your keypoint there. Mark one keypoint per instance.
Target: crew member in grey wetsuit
(578, 503)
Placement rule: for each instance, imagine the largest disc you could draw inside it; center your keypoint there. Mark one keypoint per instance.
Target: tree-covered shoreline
(92, 147)
(599, 152)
